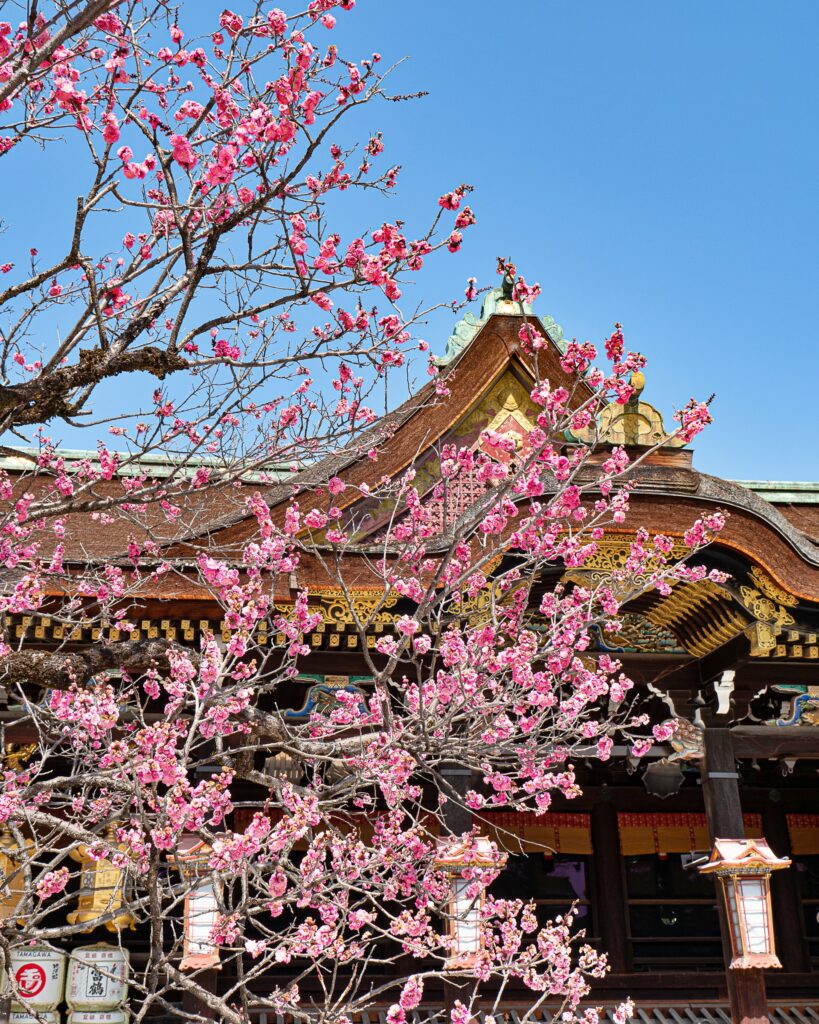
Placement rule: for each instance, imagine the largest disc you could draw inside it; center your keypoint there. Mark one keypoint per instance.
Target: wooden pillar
(457, 816)
(610, 901)
(723, 810)
(194, 1007)
(791, 944)
(457, 820)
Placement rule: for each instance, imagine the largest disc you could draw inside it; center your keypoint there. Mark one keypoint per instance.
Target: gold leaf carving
(771, 589)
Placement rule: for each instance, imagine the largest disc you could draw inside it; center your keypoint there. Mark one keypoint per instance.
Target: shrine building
(736, 663)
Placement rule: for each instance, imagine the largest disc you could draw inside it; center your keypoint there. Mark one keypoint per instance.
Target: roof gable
(489, 379)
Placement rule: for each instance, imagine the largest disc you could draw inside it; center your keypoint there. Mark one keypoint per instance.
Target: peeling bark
(59, 670)
(40, 400)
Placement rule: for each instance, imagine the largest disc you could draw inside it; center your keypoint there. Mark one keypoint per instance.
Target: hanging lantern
(201, 905)
(102, 889)
(97, 978)
(38, 977)
(663, 778)
(456, 857)
(12, 874)
(744, 868)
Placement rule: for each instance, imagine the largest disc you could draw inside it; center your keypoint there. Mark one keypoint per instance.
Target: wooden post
(787, 907)
(457, 816)
(194, 1007)
(457, 820)
(609, 891)
(723, 810)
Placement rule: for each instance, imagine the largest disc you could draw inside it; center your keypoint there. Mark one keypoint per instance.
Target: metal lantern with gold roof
(13, 852)
(102, 889)
(12, 874)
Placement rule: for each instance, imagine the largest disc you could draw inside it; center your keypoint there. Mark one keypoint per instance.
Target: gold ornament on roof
(18, 754)
(770, 614)
(772, 590)
(633, 424)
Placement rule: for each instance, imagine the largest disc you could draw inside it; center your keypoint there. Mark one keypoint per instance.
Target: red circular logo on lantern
(31, 979)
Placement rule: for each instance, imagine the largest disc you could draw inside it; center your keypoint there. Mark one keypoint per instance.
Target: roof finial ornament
(637, 380)
(508, 269)
(496, 302)
(634, 423)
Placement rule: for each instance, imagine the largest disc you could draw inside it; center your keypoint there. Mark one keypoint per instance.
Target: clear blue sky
(648, 162)
(652, 163)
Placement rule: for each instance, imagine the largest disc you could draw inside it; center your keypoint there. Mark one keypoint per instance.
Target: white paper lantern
(743, 867)
(97, 978)
(201, 904)
(455, 856)
(98, 1017)
(19, 1015)
(38, 976)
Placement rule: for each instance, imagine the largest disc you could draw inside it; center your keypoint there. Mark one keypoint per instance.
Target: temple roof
(768, 608)
(488, 376)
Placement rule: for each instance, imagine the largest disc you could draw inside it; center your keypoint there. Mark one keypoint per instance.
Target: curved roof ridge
(732, 492)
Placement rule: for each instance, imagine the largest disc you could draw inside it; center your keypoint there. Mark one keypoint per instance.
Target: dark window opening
(807, 874)
(672, 913)
(554, 883)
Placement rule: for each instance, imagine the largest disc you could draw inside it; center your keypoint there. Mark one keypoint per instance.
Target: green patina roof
(495, 301)
(157, 465)
(783, 492)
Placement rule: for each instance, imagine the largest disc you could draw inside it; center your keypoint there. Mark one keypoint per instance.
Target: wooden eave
(768, 540)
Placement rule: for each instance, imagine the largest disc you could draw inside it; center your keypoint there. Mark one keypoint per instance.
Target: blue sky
(648, 163)
(652, 163)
